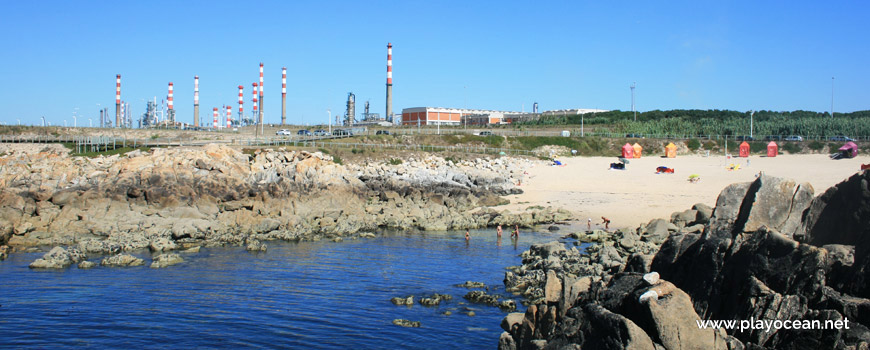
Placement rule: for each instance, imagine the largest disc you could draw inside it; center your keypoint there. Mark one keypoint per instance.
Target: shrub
(395, 161)
(337, 160)
(709, 145)
(357, 151)
(693, 144)
(155, 136)
(816, 146)
(791, 147)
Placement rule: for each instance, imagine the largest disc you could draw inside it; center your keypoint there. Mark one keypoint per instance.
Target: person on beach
(498, 230)
(589, 225)
(467, 237)
(606, 222)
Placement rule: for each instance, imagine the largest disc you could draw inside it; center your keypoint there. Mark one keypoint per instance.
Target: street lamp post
(43, 120)
(329, 119)
(90, 124)
(832, 97)
(75, 120)
(750, 123)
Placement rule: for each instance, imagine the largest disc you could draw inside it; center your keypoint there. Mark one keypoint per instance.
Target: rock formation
(768, 251)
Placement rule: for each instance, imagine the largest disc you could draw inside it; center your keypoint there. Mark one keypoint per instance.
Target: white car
(284, 132)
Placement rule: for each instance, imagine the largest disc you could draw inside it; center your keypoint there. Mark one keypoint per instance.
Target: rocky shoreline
(768, 251)
(182, 198)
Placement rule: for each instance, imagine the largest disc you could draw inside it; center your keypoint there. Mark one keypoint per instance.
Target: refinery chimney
(389, 81)
(170, 113)
(118, 101)
(241, 104)
(351, 109)
(283, 95)
(260, 117)
(196, 101)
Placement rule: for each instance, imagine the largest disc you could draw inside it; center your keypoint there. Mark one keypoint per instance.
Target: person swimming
(498, 230)
(467, 236)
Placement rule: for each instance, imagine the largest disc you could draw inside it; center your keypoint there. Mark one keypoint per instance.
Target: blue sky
(505, 55)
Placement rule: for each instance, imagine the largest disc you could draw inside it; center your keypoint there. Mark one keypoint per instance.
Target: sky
(60, 58)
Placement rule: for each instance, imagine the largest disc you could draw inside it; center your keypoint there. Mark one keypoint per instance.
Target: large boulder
(59, 258)
(768, 201)
(166, 259)
(122, 260)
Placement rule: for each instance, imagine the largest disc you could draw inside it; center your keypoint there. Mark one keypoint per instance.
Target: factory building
(452, 116)
(460, 116)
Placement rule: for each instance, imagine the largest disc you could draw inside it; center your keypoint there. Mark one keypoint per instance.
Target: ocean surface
(321, 295)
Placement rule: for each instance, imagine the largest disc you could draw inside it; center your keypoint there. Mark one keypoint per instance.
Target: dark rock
(409, 300)
(553, 228)
(470, 284)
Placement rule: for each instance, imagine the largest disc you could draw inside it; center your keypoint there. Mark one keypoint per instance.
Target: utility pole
(750, 123)
(633, 84)
(832, 97)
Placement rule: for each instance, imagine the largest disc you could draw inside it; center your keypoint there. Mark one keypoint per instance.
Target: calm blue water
(296, 295)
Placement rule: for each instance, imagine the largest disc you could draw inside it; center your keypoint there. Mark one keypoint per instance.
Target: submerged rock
(470, 284)
(166, 259)
(406, 323)
(86, 264)
(409, 300)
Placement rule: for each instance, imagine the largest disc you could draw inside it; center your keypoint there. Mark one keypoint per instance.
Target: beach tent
(772, 149)
(849, 150)
(637, 150)
(627, 151)
(744, 150)
(671, 150)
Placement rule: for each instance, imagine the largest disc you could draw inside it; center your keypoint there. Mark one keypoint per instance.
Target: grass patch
(105, 153)
(532, 142)
(337, 160)
(395, 161)
(693, 144)
(816, 146)
(451, 159)
(710, 145)
(155, 136)
(535, 207)
(357, 151)
(791, 147)
(323, 150)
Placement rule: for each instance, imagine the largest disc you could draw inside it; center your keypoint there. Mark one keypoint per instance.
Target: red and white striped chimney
(196, 100)
(229, 117)
(283, 95)
(241, 103)
(118, 101)
(389, 80)
(255, 99)
(169, 97)
(215, 125)
(261, 94)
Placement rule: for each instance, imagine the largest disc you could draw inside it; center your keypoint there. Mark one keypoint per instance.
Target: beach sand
(586, 187)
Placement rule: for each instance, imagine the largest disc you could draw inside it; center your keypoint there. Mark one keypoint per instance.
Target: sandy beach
(586, 186)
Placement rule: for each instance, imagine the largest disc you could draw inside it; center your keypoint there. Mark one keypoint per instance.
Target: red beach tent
(744, 150)
(772, 149)
(627, 151)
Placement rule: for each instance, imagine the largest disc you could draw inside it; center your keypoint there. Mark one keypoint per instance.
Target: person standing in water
(498, 230)
(467, 237)
(516, 233)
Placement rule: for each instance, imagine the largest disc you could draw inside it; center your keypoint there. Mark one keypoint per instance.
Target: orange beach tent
(744, 150)
(627, 151)
(772, 149)
(671, 150)
(638, 151)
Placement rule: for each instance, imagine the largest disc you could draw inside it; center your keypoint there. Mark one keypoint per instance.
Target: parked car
(485, 133)
(284, 132)
(773, 138)
(744, 138)
(382, 132)
(842, 138)
(321, 132)
(303, 132)
(794, 138)
(634, 136)
(341, 132)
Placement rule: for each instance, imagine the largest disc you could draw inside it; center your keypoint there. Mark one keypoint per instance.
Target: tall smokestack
(215, 121)
(241, 103)
(255, 100)
(389, 80)
(196, 101)
(260, 117)
(118, 101)
(283, 95)
(170, 113)
(229, 117)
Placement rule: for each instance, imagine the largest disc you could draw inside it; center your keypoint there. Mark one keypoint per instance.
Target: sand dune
(586, 186)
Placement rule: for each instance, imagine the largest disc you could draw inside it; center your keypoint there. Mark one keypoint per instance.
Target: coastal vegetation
(717, 122)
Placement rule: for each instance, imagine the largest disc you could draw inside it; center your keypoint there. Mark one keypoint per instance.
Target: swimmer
(467, 237)
(498, 230)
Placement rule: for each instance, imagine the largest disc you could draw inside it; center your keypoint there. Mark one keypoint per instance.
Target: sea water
(322, 295)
